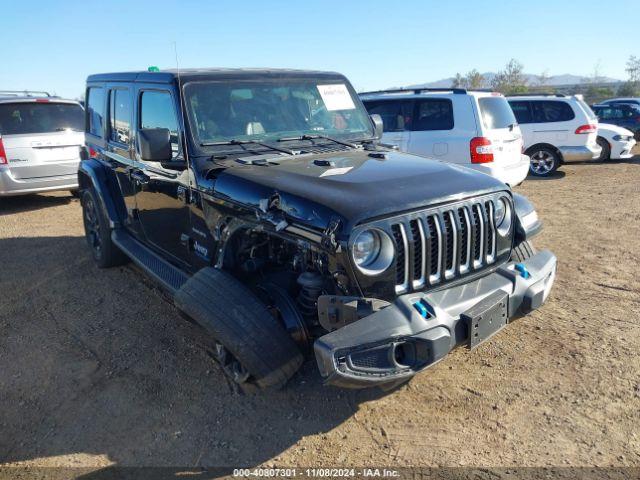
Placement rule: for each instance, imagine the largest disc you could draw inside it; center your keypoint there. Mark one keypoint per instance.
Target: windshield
(496, 112)
(267, 110)
(36, 117)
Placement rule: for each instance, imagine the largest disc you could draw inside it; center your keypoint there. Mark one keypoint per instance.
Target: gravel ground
(98, 369)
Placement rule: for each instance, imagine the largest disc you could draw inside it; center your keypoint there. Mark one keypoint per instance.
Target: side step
(170, 277)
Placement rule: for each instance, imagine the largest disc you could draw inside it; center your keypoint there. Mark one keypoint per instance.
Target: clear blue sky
(54, 45)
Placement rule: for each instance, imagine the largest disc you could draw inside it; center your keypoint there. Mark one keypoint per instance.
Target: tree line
(512, 80)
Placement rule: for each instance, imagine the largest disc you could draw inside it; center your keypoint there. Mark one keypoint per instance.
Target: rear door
(396, 118)
(499, 125)
(41, 137)
(442, 129)
(555, 123)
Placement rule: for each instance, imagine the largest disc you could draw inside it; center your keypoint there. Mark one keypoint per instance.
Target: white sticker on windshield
(336, 97)
(335, 171)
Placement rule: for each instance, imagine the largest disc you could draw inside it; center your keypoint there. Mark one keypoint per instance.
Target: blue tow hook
(423, 308)
(524, 273)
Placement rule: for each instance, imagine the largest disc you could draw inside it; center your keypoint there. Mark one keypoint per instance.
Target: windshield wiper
(242, 143)
(315, 136)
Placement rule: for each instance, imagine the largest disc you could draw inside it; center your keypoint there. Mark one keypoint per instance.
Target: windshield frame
(231, 148)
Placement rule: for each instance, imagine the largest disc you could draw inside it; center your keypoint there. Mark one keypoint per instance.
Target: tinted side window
(157, 111)
(522, 111)
(433, 114)
(609, 113)
(396, 114)
(95, 110)
(120, 116)
(552, 111)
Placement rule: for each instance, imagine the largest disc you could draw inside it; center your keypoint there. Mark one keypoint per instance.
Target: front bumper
(9, 185)
(581, 153)
(621, 150)
(391, 345)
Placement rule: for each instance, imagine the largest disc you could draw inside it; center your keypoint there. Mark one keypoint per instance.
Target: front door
(162, 194)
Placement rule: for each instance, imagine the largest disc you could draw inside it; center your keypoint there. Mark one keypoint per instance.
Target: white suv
(556, 129)
(470, 128)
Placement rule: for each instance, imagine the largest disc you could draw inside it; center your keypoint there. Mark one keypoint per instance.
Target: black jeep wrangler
(264, 202)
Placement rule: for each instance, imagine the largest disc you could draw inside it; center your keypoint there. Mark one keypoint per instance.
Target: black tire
(98, 234)
(75, 193)
(522, 251)
(241, 323)
(544, 161)
(605, 154)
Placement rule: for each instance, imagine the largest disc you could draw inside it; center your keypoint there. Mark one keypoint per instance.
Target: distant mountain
(554, 80)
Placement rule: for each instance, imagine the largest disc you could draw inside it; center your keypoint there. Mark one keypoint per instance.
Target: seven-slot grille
(436, 246)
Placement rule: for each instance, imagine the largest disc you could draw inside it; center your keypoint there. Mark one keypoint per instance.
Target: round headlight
(366, 248)
(372, 251)
(502, 215)
(500, 211)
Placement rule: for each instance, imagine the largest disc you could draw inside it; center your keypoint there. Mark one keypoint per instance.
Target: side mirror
(155, 144)
(378, 125)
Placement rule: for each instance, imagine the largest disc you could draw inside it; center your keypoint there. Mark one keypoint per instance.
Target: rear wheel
(544, 161)
(98, 234)
(605, 154)
(522, 251)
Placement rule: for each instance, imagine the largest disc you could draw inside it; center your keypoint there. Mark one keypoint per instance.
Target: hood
(607, 128)
(353, 186)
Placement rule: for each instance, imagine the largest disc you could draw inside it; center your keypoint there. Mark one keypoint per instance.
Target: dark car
(626, 115)
(265, 204)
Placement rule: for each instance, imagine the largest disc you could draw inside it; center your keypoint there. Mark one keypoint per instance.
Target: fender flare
(93, 174)
(524, 207)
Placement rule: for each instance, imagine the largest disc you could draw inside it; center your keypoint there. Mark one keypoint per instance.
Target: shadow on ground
(98, 362)
(24, 203)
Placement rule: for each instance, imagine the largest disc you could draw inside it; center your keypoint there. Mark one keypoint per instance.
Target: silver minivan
(40, 140)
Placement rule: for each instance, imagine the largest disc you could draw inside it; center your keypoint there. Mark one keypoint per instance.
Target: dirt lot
(98, 369)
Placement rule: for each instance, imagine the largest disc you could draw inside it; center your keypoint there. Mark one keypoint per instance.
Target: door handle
(140, 177)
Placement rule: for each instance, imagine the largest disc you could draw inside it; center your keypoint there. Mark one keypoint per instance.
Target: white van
(556, 129)
(40, 140)
(470, 128)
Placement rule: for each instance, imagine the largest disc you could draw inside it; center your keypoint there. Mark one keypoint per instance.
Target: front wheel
(251, 345)
(605, 154)
(544, 161)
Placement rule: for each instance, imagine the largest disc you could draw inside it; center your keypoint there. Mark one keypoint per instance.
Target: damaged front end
(393, 343)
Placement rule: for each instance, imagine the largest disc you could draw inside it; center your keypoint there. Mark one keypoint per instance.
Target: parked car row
(475, 129)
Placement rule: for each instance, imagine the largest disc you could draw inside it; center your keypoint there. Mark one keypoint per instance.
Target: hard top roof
(194, 74)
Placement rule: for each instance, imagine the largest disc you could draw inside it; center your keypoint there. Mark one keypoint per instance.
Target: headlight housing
(503, 215)
(372, 251)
